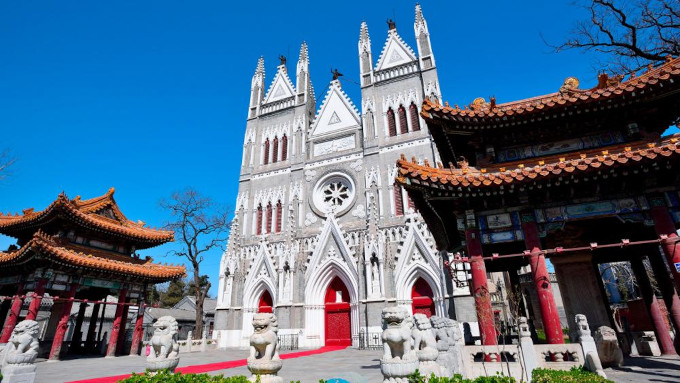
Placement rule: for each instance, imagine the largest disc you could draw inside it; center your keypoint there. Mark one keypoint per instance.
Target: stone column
(14, 313)
(480, 291)
(77, 329)
(38, 293)
(63, 323)
(92, 328)
(670, 297)
(123, 325)
(662, 331)
(664, 225)
(539, 271)
(115, 330)
(139, 328)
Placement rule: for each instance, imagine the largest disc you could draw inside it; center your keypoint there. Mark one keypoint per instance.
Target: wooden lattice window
(403, 124)
(266, 151)
(279, 215)
(275, 150)
(268, 227)
(284, 148)
(258, 229)
(391, 123)
(415, 120)
(398, 201)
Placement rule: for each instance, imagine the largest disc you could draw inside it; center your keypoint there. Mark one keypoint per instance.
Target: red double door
(338, 323)
(266, 303)
(421, 296)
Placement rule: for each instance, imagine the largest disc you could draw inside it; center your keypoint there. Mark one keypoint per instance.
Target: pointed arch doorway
(265, 304)
(421, 296)
(337, 314)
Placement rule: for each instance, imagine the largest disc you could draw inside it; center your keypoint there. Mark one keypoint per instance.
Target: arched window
(391, 123)
(415, 121)
(268, 228)
(266, 151)
(258, 229)
(403, 124)
(398, 201)
(275, 150)
(279, 214)
(284, 148)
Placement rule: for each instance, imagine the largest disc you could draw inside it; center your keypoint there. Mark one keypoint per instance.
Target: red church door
(266, 303)
(421, 295)
(338, 327)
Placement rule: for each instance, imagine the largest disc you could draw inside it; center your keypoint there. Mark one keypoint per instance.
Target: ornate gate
(421, 295)
(338, 325)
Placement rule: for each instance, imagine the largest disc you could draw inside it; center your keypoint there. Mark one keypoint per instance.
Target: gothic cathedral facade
(321, 235)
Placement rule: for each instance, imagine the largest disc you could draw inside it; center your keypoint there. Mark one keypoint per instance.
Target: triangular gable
(331, 237)
(281, 87)
(395, 52)
(261, 267)
(337, 112)
(415, 242)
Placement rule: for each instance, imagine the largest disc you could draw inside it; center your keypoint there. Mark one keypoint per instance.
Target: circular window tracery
(334, 193)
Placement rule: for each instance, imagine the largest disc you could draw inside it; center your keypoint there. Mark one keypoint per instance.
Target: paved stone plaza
(353, 365)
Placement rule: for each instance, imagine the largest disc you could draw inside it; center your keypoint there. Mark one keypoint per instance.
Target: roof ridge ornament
(391, 25)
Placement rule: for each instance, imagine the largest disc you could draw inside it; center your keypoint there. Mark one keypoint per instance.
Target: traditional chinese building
(78, 251)
(579, 176)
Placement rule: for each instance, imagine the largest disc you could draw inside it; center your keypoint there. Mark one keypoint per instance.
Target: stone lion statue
(425, 346)
(22, 347)
(399, 358)
(164, 353)
(264, 360)
(608, 347)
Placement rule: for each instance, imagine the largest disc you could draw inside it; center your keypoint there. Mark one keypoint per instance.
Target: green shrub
(417, 378)
(575, 375)
(169, 377)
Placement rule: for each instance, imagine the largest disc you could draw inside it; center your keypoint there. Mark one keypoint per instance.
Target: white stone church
(321, 236)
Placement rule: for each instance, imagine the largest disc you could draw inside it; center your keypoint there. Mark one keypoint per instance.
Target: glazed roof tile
(410, 172)
(608, 88)
(50, 248)
(88, 212)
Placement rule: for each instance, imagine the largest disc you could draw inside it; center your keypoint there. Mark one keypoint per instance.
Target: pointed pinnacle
(304, 52)
(419, 14)
(260, 65)
(363, 34)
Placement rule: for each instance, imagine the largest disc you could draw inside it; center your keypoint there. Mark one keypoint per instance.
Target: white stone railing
(491, 360)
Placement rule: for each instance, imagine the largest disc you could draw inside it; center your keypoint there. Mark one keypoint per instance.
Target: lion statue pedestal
(264, 361)
(399, 360)
(21, 352)
(425, 345)
(164, 353)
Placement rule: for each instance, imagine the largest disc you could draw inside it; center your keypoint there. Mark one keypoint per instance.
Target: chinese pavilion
(79, 251)
(579, 176)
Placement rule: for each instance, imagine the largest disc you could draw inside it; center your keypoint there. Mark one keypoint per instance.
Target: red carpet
(201, 368)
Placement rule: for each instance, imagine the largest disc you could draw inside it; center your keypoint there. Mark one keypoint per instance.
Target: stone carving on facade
(375, 277)
(264, 361)
(359, 211)
(425, 346)
(399, 359)
(608, 347)
(21, 352)
(164, 353)
(593, 362)
(357, 165)
(310, 219)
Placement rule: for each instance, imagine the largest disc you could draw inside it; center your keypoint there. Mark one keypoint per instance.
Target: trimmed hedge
(169, 377)
(417, 378)
(575, 375)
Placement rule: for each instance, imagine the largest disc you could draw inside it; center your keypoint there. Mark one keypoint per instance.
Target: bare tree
(6, 161)
(200, 226)
(633, 34)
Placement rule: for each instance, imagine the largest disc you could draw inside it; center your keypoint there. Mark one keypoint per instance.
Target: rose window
(333, 193)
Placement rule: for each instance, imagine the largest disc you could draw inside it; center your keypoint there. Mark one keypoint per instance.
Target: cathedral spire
(304, 82)
(423, 39)
(257, 88)
(365, 55)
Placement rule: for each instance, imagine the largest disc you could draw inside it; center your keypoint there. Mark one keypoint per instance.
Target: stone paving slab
(646, 369)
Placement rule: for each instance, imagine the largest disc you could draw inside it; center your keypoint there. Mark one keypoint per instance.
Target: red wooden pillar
(62, 326)
(122, 331)
(661, 329)
(14, 313)
(115, 330)
(37, 297)
(139, 328)
(665, 283)
(480, 290)
(546, 299)
(664, 225)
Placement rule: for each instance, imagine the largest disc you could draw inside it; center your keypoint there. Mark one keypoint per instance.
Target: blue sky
(151, 96)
